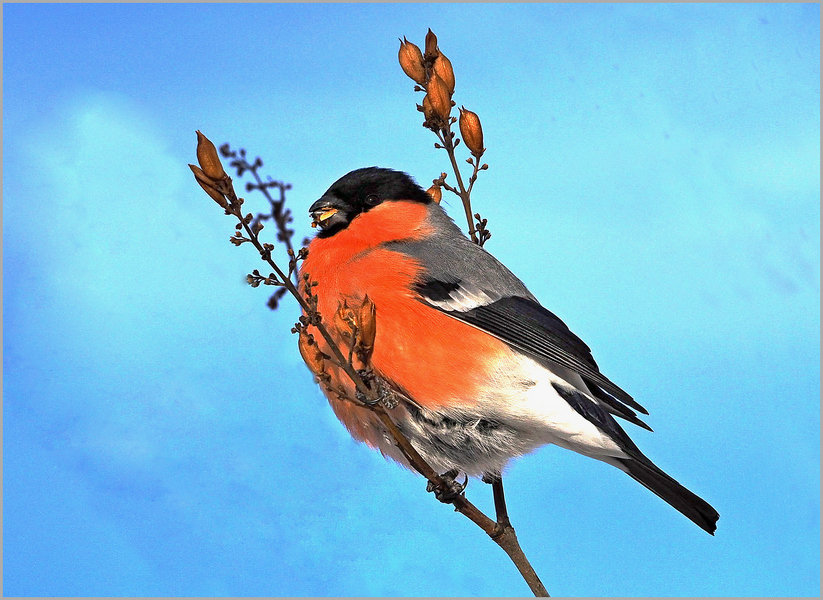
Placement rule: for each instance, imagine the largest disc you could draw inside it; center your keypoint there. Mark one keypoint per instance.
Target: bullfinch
(482, 371)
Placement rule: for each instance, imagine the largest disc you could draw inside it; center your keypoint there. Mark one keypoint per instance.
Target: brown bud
(443, 67)
(311, 354)
(367, 325)
(208, 158)
(438, 95)
(427, 109)
(208, 186)
(471, 131)
(411, 61)
(435, 193)
(431, 45)
(344, 320)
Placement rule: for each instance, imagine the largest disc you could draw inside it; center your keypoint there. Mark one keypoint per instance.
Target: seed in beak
(326, 214)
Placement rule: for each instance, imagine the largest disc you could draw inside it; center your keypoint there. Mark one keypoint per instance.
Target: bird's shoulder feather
(463, 280)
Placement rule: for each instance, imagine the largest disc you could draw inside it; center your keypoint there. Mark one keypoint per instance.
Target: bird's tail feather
(691, 505)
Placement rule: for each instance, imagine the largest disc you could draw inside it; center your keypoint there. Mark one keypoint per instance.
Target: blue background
(654, 179)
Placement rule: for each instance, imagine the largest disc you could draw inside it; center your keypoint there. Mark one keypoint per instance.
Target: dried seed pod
(471, 131)
(207, 185)
(435, 193)
(427, 109)
(367, 324)
(311, 354)
(411, 61)
(345, 320)
(438, 95)
(443, 67)
(208, 158)
(431, 45)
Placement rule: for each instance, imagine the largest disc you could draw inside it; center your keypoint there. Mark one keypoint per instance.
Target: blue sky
(654, 180)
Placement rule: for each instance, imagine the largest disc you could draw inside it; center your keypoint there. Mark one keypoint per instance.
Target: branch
(278, 212)
(446, 137)
(370, 391)
(433, 73)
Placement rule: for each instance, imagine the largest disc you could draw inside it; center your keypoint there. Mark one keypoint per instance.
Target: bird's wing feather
(467, 283)
(527, 326)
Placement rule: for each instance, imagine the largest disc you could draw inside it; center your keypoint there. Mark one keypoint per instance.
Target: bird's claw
(384, 395)
(449, 490)
(491, 478)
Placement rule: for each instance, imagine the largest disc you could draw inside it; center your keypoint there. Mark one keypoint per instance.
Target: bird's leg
(448, 492)
(496, 482)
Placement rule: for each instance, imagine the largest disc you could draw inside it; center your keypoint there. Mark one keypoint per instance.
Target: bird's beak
(323, 211)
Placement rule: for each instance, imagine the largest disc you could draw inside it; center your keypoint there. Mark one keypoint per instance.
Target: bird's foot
(491, 478)
(450, 489)
(384, 394)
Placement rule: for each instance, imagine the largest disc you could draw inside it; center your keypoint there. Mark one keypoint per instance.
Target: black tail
(691, 505)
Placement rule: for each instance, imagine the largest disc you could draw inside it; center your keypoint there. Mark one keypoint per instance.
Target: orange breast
(437, 360)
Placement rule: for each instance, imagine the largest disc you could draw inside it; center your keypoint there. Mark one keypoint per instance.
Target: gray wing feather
(477, 277)
(466, 282)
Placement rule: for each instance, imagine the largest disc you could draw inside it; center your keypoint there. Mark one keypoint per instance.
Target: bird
(483, 373)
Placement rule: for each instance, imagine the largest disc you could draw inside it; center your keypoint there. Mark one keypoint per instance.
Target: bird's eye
(372, 199)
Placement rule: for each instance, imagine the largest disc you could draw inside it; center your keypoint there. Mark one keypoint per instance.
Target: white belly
(518, 412)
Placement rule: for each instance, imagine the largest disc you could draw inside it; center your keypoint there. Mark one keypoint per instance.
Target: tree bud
(208, 158)
(443, 67)
(427, 109)
(344, 320)
(435, 193)
(431, 45)
(471, 131)
(411, 61)
(438, 95)
(311, 354)
(208, 186)
(367, 322)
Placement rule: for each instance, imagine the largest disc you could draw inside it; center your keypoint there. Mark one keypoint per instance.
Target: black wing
(526, 325)
(464, 281)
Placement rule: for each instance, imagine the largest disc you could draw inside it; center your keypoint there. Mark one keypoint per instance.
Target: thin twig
(279, 213)
(446, 138)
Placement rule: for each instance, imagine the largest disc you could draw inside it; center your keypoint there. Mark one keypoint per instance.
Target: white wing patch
(464, 298)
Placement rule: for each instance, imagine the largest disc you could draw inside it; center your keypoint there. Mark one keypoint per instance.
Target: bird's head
(360, 191)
